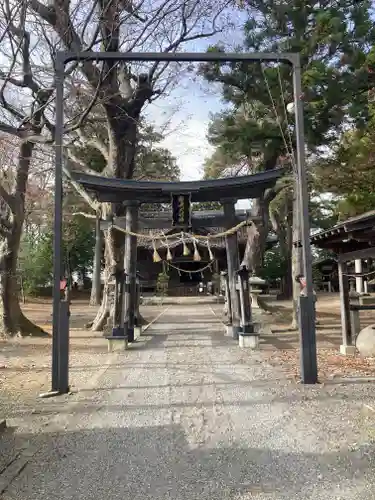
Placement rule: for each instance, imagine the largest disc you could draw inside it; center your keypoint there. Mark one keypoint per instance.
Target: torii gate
(133, 194)
(113, 188)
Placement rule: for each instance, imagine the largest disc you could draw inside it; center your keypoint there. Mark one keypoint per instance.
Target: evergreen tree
(349, 172)
(256, 132)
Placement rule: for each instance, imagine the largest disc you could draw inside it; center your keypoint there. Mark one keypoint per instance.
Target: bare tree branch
(58, 17)
(66, 169)
(95, 142)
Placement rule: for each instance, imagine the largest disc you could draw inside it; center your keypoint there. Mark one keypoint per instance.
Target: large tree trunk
(114, 263)
(257, 236)
(281, 219)
(120, 165)
(12, 320)
(97, 265)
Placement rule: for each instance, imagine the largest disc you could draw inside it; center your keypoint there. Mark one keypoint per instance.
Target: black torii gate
(60, 335)
(133, 194)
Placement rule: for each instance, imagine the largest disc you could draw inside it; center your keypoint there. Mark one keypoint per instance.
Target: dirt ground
(330, 363)
(25, 364)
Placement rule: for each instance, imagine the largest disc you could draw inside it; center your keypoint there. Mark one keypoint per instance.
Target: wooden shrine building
(352, 241)
(185, 273)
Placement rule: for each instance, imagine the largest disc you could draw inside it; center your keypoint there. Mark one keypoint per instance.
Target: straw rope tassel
(169, 254)
(197, 256)
(186, 250)
(155, 257)
(210, 254)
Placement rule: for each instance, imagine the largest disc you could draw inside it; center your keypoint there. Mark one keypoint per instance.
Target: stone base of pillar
(248, 329)
(129, 332)
(250, 341)
(348, 350)
(117, 344)
(137, 332)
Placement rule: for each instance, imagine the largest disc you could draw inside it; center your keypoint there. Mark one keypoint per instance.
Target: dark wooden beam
(363, 253)
(119, 190)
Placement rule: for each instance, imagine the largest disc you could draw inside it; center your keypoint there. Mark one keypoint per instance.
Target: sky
(186, 134)
(187, 110)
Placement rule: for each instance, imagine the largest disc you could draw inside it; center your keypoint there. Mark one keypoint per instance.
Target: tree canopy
(349, 172)
(152, 161)
(255, 131)
(336, 46)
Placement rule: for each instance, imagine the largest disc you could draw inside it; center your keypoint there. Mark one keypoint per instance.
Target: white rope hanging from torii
(183, 239)
(155, 237)
(180, 270)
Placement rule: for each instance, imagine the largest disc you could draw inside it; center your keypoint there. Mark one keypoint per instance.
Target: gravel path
(184, 415)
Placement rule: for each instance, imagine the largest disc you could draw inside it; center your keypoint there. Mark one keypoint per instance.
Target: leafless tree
(22, 118)
(34, 31)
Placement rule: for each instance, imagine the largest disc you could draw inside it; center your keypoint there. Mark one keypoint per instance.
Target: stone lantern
(255, 290)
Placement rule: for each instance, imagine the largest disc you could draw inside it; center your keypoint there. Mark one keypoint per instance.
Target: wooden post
(130, 267)
(243, 281)
(247, 337)
(233, 263)
(347, 344)
(137, 301)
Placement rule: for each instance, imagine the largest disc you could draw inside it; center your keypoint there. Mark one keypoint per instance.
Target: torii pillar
(233, 263)
(130, 267)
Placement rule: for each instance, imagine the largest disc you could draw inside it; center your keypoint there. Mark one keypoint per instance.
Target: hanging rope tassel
(155, 257)
(169, 254)
(197, 256)
(186, 250)
(210, 254)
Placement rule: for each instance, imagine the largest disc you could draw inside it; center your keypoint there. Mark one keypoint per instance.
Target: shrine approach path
(186, 414)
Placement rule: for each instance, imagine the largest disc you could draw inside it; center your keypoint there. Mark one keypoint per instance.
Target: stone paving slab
(185, 414)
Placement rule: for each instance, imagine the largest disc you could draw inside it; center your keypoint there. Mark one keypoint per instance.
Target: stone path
(185, 415)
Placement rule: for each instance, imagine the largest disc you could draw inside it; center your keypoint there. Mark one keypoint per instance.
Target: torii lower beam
(165, 222)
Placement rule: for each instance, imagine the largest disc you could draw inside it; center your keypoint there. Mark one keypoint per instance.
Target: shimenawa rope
(152, 237)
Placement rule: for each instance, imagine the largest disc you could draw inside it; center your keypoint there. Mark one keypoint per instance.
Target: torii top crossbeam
(118, 190)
